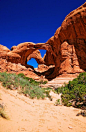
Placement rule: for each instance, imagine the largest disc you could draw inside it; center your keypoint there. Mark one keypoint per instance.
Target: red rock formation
(3, 51)
(37, 56)
(25, 51)
(66, 50)
(69, 44)
(43, 68)
(18, 68)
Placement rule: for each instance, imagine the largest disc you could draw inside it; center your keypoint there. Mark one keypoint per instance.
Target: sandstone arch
(28, 50)
(37, 56)
(66, 49)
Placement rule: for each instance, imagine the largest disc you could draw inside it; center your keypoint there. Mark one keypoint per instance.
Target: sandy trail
(27, 115)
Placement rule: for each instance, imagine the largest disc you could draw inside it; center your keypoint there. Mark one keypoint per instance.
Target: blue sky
(32, 20)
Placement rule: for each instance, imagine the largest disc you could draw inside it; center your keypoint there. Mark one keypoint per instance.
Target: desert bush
(44, 82)
(21, 75)
(83, 113)
(74, 91)
(28, 85)
(57, 102)
(47, 92)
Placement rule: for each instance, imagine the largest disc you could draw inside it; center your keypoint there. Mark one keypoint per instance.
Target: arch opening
(32, 62)
(35, 58)
(43, 52)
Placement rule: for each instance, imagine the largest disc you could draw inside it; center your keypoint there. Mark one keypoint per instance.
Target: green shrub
(28, 86)
(21, 75)
(47, 91)
(44, 82)
(74, 91)
(57, 102)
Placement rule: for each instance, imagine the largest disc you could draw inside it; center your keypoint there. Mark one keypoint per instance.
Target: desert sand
(32, 115)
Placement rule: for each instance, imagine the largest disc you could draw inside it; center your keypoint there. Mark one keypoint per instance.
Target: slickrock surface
(58, 82)
(30, 115)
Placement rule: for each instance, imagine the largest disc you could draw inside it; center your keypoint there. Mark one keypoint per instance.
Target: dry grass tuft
(3, 113)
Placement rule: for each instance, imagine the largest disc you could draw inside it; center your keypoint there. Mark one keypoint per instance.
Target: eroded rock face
(18, 68)
(37, 56)
(3, 51)
(66, 50)
(69, 43)
(43, 68)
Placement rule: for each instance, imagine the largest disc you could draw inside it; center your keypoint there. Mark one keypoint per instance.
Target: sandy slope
(28, 115)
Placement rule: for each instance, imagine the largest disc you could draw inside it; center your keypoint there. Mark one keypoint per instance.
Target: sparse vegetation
(83, 113)
(43, 82)
(2, 112)
(74, 93)
(47, 91)
(25, 85)
(57, 102)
